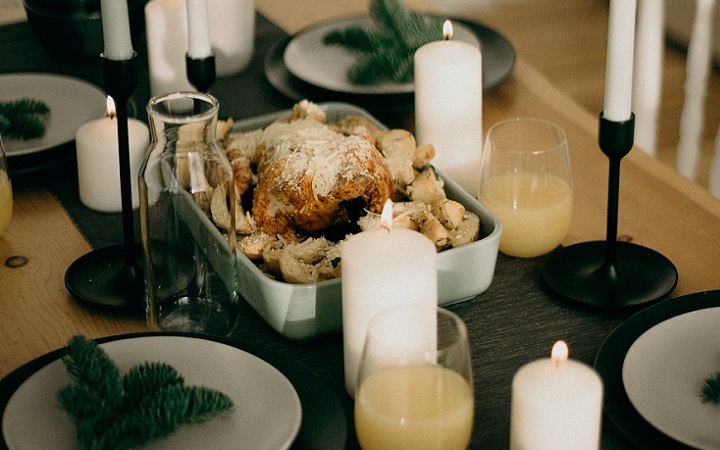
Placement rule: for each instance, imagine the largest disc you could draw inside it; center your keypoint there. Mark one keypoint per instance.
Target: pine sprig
(23, 119)
(387, 51)
(149, 402)
(711, 389)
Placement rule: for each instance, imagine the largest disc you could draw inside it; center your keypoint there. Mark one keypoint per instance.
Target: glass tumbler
(190, 280)
(526, 182)
(415, 381)
(6, 197)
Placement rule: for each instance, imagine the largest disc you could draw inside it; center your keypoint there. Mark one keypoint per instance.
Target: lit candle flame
(111, 112)
(386, 217)
(447, 30)
(559, 353)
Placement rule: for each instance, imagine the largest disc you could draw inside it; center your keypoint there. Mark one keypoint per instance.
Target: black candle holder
(200, 72)
(111, 276)
(611, 274)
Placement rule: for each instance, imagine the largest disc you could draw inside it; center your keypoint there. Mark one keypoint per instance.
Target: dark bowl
(73, 28)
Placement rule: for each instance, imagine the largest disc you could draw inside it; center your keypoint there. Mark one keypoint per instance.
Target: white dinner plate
(310, 60)
(267, 411)
(72, 102)
(663, 373)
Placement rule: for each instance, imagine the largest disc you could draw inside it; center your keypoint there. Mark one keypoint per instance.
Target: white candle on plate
(619, 65)
(98, 161)
(198, 29)
(116, 30)
(381, 268)
(448, 108)
(556, 404)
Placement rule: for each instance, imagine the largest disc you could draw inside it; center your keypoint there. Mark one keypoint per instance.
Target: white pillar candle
(198, 29)
(232, 39)
(232, 34)
(448, 108)
(166, 31)
(116, 30)
(556, 404)
(381, 268)
(619, 64)
(98, 162)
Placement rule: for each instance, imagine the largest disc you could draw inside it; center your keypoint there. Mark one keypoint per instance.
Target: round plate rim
(68, 135)
(324, 422)
(611, 356)
(292, 87)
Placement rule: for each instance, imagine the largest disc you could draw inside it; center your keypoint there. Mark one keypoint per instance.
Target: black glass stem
(112, 276)
(200, 72)
(611, 274)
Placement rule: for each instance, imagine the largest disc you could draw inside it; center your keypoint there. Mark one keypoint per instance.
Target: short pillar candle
(556, 404)
(98, 161)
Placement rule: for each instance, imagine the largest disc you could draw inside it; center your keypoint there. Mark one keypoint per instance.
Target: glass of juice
(6, 197)
(527, 183)
(415, 381)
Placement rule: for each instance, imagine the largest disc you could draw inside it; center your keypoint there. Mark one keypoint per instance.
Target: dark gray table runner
(515, 321)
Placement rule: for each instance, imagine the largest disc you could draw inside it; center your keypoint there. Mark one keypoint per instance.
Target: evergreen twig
(711, 389)
(387, 50)
(23, 119)
(149, 402)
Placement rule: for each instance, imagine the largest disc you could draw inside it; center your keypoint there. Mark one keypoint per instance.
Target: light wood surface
(658, 209)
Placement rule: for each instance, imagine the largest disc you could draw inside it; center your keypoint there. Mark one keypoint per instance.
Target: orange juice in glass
(526, 183)
(6, 197)
(411, 397)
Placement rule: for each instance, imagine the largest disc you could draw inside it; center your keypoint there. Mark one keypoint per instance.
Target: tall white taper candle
(116, 30)
(198, 29)
(619, 65)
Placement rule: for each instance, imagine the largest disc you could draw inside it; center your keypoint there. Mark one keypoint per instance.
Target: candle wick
(386, 226)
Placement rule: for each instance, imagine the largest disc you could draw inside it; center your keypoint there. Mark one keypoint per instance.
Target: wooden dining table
(512, 323)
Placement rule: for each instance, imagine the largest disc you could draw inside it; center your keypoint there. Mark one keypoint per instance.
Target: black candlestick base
(609, 273)
(102, 278)
(639, 275)
(112, 276)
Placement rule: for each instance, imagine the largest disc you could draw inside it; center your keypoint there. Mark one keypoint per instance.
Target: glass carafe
(6, 197)
(190, 279)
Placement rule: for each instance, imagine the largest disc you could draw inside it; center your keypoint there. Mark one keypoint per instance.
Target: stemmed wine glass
(6, 197)
(526, 182)
(415, 381)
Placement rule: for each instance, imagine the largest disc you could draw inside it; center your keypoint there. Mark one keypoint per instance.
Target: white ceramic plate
(267, 412)
(309, 59)
(72, 102)
(664, 371)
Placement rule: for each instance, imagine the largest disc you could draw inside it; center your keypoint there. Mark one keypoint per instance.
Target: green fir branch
(23, 119)
(358, 39)
(114, 412)
(390, 45)
(711, 389)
